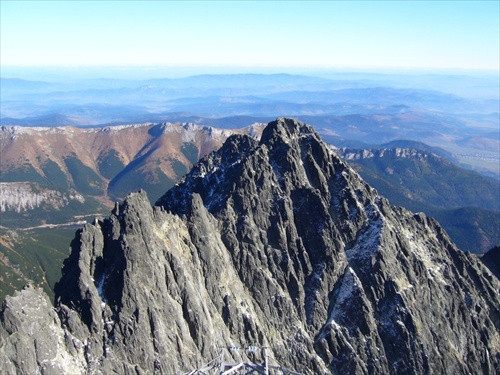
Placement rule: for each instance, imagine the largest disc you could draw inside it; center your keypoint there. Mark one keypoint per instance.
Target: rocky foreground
(274, 243)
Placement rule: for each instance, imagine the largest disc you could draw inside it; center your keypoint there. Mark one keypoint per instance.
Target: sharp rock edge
(274, 243)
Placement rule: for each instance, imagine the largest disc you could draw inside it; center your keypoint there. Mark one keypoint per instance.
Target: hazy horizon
(188, 38)
(187, 70)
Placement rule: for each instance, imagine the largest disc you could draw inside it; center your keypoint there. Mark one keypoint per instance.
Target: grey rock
(32, 339)
(274, 243)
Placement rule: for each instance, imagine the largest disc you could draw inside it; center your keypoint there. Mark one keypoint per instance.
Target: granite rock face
(274, 243)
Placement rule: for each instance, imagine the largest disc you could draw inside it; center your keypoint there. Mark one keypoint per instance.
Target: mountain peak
(290, 154)
(285, 129)
(274, 243)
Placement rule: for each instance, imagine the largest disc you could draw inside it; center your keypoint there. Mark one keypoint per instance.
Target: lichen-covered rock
(274, 243)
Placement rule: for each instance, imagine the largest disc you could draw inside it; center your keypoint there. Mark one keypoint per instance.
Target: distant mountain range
(107, 162)
(368, 109)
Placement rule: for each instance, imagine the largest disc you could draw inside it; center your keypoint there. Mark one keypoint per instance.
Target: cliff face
(275, 244)
(23, 196)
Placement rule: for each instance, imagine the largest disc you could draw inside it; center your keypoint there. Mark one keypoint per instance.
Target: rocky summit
(273, 244)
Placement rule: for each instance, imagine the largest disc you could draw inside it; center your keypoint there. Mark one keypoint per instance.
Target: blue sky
(321, 34)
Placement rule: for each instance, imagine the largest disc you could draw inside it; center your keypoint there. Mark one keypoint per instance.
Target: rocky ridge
(274, 243)
(396, 152)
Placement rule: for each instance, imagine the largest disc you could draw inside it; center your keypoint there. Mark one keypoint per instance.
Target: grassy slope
(33, 256)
